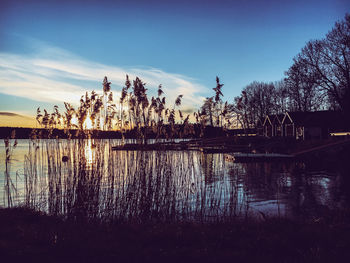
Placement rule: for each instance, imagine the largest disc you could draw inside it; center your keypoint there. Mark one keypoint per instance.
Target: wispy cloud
(55, 75)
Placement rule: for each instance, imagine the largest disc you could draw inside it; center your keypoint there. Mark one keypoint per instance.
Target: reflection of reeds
(133, 186)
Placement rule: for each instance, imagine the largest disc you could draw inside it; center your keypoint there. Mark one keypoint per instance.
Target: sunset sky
(54, 51)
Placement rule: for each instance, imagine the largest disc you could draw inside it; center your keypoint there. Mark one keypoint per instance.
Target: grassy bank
(34, 237)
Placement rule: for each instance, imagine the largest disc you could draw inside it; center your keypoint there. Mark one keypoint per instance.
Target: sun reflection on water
(89, 153)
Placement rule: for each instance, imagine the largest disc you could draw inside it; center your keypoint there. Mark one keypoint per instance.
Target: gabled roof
(296, 117)
(267, 118)
(272, 118)
(278, 118)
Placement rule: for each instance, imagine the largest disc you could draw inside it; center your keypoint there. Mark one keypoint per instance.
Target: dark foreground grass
(29, 236)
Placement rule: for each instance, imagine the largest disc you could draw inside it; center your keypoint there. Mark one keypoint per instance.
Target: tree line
(318, 79)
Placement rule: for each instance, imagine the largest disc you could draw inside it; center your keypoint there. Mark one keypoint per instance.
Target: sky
(55, 51)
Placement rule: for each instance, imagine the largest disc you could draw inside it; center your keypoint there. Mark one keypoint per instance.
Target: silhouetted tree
(302, 87)
(255, 102)
(281, 98)
(329, 59)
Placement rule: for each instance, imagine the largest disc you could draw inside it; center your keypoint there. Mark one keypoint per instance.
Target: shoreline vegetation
(229, 142)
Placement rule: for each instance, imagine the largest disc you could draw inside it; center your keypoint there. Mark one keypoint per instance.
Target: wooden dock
(236, 152)
(155, 147)
(205, 146)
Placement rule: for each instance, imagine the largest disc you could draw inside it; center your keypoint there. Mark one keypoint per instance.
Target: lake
(96, 182)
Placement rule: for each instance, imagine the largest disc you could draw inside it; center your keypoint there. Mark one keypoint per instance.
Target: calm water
(194, 182)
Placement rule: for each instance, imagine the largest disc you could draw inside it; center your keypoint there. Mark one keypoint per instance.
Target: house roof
(273, 118)
(278, 118)
(316, 118)
(269, 119)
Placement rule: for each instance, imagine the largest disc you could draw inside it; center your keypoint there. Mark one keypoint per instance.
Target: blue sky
(52, 51)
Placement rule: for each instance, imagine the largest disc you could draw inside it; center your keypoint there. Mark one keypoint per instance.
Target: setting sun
(74, 120)
(88, 123)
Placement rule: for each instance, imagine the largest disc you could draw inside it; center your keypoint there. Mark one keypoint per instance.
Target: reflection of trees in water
(341, 190)
(317, 188)
(303, 188)
(265, 180)
(213, 167)
(222, 184)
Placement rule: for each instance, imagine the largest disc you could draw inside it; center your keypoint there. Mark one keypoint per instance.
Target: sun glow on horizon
(74, 120)
(88, 123)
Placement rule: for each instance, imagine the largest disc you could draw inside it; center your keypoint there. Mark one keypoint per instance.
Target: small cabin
(293, 123)
(273, 126)
(277, 125)
(267, 126)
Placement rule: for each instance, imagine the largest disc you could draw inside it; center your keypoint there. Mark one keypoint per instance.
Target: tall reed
(9, 186)
(84, 179)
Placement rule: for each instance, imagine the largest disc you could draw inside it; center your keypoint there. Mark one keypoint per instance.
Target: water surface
(183, 185)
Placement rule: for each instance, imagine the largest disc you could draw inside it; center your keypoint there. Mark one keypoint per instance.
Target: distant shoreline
(27, 133)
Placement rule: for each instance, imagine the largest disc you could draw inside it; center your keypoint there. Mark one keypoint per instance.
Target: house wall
(289, 130)
(308, 125)
(268, 130)
(278, 130)
(316, 133)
